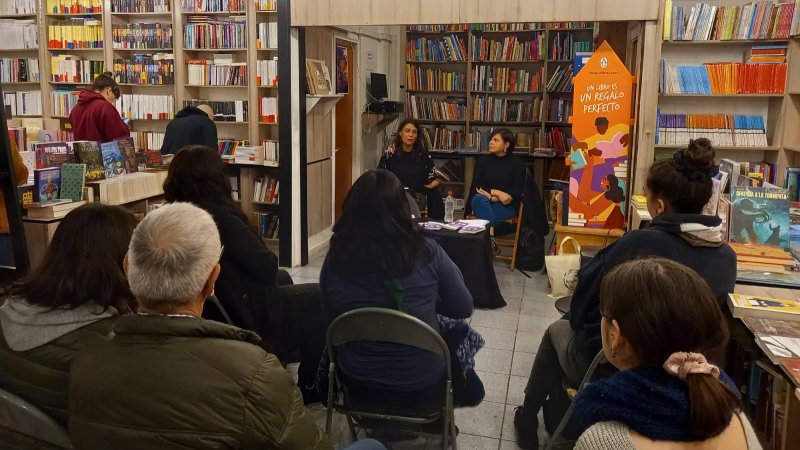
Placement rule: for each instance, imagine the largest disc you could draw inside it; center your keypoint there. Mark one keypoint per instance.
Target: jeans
(365, 444)
(495, 213)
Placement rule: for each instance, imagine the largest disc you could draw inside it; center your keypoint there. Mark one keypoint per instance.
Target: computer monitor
(377, 86)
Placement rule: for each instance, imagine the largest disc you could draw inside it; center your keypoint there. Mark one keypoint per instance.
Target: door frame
(354, 91)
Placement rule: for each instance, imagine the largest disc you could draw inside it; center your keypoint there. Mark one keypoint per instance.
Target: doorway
(344, 133)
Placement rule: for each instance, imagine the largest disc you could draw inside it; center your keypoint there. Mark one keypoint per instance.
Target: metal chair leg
(353, 432)
(329, 412)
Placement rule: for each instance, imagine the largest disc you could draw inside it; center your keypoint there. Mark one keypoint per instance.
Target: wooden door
(345, 141)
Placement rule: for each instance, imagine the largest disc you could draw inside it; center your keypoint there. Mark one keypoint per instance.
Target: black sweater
(717, 265)
(505, 173)
(191, 126)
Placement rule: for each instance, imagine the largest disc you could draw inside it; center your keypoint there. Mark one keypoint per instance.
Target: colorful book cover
(53, 154)
(46, 136)
(152, 159)
(760, 216)
(128, 150)
(46, 184)
(26, 193)
(113, 162)
(764, 307)
(73, 178)
(88, 152)
(790, 182)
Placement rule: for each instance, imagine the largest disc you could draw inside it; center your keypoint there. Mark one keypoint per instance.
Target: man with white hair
(169, 379)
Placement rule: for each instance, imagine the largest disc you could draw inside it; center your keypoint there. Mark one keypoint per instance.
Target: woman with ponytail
(659, 319)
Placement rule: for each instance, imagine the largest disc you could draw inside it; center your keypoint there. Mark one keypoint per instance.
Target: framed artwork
(342, 80)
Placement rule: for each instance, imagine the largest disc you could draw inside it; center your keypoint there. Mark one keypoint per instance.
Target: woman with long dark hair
(408, 158)
(286, 316)
(378, 258)
(69, 301)
(659, 321)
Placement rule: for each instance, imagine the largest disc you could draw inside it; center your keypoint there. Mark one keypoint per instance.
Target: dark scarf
(647, 399)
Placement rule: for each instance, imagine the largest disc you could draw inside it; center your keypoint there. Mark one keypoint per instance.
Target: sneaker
(526, 429)
(495, 248)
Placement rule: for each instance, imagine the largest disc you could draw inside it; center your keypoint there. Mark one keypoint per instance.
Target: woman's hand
(484, 193)
(435, 183)
(502, 197)
(390, 149)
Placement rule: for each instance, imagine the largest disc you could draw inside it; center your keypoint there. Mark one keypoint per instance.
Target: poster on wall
(598, 159)
(342, 81)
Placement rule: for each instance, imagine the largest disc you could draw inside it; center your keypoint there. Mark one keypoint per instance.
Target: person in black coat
(498, 180)
(257, 295)
(676, 191)
(193, 125)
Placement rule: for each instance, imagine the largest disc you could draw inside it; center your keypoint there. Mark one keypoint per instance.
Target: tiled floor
(512, 335)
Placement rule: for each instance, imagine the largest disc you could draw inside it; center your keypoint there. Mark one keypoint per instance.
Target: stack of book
(227, 147)
(722, 129)
(440, 138)
(509, 49)
(74, 69)
(146, 107)
(762, 258)
(54, 209)
(435, 109)
(759, 20)
(446, 48)
(774, 54)
(152, 69)
(560, 80)
(268, 109)
(423, 79)
(138, 6)
(18, 34)
(489, 78)
(74, 6)
(723, 78)
(486, 108)
(75, 33)
(224, 111)
(19, 70)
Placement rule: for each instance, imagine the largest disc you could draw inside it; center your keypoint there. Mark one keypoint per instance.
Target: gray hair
(172, 253)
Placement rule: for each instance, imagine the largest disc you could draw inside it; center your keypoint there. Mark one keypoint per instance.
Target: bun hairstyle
(106, 80)
(685, 180)
(662, 308)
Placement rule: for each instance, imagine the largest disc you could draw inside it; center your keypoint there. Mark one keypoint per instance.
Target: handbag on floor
(562, 269)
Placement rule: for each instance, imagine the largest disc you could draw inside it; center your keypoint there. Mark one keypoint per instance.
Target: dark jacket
(191, 126)
(714, 261)
(435, 286)
(95, 119)
(181, 382)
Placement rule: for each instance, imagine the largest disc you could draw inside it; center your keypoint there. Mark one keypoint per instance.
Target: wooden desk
(590, 237)
(38, 234)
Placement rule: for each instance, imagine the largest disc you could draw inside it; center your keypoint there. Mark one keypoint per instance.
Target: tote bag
(562, 269)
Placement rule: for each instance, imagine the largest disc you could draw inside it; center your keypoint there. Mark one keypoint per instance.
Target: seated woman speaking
(498, 180)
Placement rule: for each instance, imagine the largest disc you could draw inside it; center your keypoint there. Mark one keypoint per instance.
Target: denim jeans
(495, 213)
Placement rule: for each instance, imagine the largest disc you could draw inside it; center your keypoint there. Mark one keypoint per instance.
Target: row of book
(74, 69)
(18, 34)
(563, 47)
(75, 32)
(139, 6)
(224, 111)
(213, 5)
(146, 106)
(267, 72)
(519, 26)
(558, 139)
(441, 138)
(205, 73)
(509, 49)
(268, 109)
(435, 109)
(266, 190)
(62, 102)
(24, 103)
(267, 34)
(102, 160)
(266, 5)
(270, 150)
(486, 108)
(202, 32)
(148, 141)
(702, 22)
(142, 35)
(505, 79)
(227, 147)
(156, 69)
(12, 7)
(559, 109)
(438, 28)
(722, 129)
(19, 70)
(425, 79)
(723, 78)
(446, 48)
(478, 140)
(268, 225)
(748, 174)
(560, 80)
(74, 6)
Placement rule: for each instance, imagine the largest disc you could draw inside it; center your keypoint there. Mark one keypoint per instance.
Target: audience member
(498, 180)
(287, 317)
(193, 125)
(378, 259)
(676, 191)
(659, 320)
(70, 301)
(95, 116)
(169, 379)
(20, 176)
(408, 158)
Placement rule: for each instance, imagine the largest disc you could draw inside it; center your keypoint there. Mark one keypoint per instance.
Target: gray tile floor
(512, 335)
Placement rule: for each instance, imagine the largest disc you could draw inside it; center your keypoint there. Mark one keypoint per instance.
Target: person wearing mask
(659, 321)
(20, 176)
(677, 190)
(193, 125)
(498, 180)
(95, 116)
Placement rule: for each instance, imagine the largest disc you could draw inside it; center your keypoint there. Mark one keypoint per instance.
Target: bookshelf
(789, 155)
(20, 49)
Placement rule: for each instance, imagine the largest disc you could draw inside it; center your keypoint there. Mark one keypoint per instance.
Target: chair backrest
(385, 325)
(413, 206)
(25, 418)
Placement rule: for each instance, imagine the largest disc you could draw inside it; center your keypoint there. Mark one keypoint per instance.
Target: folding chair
(21, 416)
(513, 243)
(387, 325)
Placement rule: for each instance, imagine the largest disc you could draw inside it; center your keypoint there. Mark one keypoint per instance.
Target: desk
(472, 253)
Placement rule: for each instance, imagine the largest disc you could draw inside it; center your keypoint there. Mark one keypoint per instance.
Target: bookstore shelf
(271, 49)
(142, 50)
(269, 123)
(69, 50)
(726, 42)
(223, 122)
(767, 148)
(793, 148)
(215, 50)
(215, 86)
(144, 14)
(214, 13)
(724, 95)
(266, 203)
(416, 91)
(535, 30)
(435, 62)
(17, 16)
(21, 83)
(503, 93)
(74, 15)
(444, 122)
(504, 123)
(521, 61)
(166, 85)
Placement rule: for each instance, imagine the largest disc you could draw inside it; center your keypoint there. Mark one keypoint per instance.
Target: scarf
(647, 399)
(697, 229)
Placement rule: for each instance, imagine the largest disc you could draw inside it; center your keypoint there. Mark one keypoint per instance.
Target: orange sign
(598, 158)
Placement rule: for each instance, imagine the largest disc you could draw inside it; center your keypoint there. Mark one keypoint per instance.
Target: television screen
(377, 85)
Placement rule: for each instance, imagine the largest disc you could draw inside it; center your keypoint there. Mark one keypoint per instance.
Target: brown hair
(684, 181)
(663, 307)
(106, 80)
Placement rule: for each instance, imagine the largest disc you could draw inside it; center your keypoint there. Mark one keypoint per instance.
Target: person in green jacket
(169, 379)
(69, 301)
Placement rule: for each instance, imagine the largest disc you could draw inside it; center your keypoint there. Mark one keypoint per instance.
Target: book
(46, 184)
(53, 211)
(89, 153)
(128, 150)
(73, 178)
(113, 162)
(760, 216)
(764, 307)
(777, 338)
(52, 154)
(315, 77)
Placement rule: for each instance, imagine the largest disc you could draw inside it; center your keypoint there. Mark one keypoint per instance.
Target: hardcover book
(764, 307)
(73, 178)
(113, 162)
(46, 184)
(53, 154)
(88, 152)
(760, 216)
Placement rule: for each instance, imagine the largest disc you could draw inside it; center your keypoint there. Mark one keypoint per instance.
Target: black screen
(377, 85)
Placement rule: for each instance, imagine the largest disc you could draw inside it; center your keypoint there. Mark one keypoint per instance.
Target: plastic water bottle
(449, 206)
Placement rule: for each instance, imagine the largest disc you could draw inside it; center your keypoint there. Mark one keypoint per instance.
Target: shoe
(495, 248)
(526, 429)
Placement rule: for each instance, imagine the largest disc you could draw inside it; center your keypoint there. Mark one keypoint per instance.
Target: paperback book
(764, 307)
(46, 183)
(88, 152)
(73, 178)
(113, 162)
(52, 154)
(777, 338)
(128, 150)
(760, 216)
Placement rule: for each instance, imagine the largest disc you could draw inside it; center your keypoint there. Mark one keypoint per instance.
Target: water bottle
(449, 206)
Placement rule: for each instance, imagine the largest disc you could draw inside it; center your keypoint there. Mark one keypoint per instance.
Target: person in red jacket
(95, 118)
